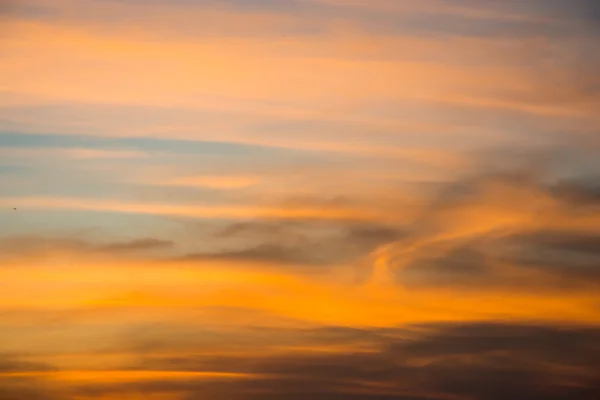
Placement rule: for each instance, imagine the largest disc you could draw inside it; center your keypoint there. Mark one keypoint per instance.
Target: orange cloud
(77, 66)
(358, 266)
(214, 182)
(188, 210)
(321, 300)
(126, 376)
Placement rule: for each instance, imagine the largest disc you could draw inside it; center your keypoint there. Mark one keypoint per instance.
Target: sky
(299, 199)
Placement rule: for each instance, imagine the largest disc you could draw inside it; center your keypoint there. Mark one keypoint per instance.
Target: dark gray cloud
(536, 187)
(456, 18)
(269, 253)
(535, 18)
(560, 260)
(137, 244)
(578, 192)
(567, 241)
(557, 259)
(16, 363)
(463, 265)
(24, 387)
(42, 246)
(316, 243)
(480, 361)
(289, 232)
(527, 343)
(581, 10)
(27, 389)
(569, 256)
(29, 11)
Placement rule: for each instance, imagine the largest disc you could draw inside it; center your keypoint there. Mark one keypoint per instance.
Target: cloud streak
(487, 361)
(291, 199)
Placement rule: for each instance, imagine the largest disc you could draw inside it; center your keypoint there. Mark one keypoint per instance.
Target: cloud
(534, 260)
(491, 361)
(301, 242)
(505, 226)
(347, 198)
(564, 241)
(345, 79)
(18, 381)
(475, 248)
(44, 246)
(136, 245)
(27, 389)
(275, 254)
(188, 210)
(10, 363)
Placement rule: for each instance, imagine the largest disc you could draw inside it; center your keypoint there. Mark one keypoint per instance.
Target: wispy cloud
(290, 199)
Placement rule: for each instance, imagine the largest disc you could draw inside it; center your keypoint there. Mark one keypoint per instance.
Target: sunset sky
(299, 199)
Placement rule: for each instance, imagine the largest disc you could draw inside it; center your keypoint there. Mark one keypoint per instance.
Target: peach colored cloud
(186, 210)
(88, 66)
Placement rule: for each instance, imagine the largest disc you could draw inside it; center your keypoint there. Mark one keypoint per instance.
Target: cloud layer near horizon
(323, 199)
